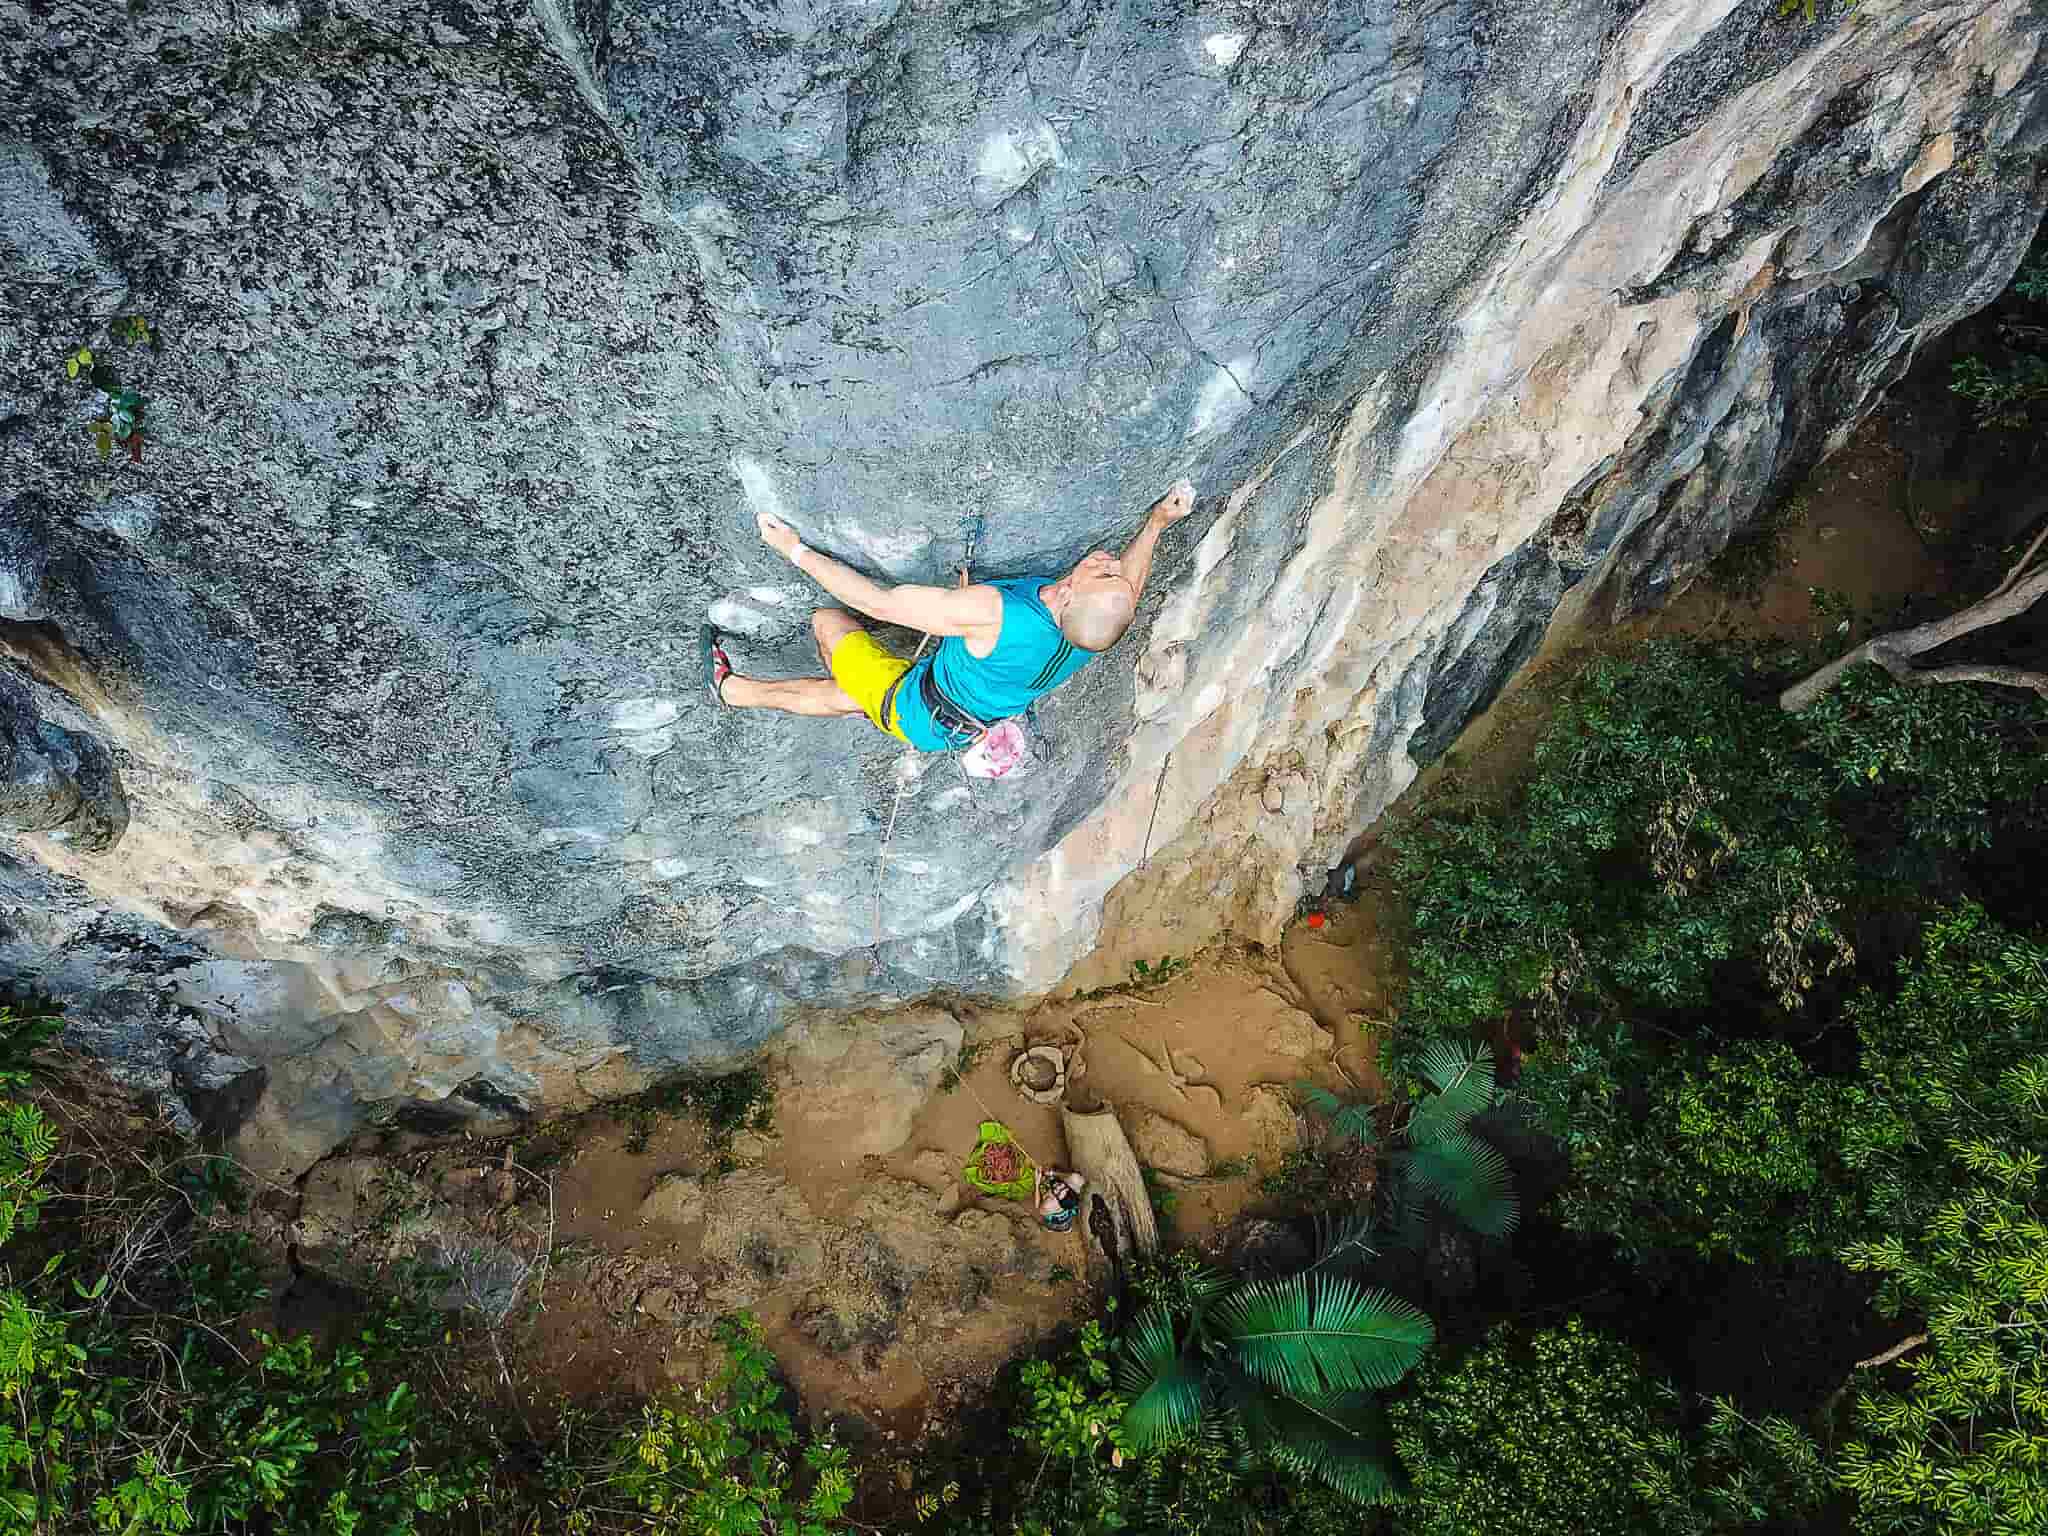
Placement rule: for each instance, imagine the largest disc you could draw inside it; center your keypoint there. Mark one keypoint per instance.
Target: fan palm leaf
(1339, 1438)
(1355, 1122)
(1471, 1179)
(1463, 1078)
(1163, 1384)
(1309, 1334)
(1343, 1242)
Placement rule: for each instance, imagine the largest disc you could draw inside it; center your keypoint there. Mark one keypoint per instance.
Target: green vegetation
(965, 1060)
(1756, 554)
(1147, 974)
(1763, 1018)
(1292, 1364)
(725, 1106)
(726, 1460)
(1344, 1122)
(1445, 1168)
(1532, 1432)
(2010, 390)
(121, 408)
(2007, 396)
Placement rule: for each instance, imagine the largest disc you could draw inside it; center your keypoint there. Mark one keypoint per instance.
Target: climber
(1001, 644)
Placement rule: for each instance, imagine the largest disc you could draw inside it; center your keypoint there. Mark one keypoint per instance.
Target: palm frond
(1471, 1179)
(1409, 1227)
(1339, 1438)
(1321, 1100)
(1310, 1334)
(1163, 1384)
(1342, 1241)
(1463, 1078)
(1355, 1122)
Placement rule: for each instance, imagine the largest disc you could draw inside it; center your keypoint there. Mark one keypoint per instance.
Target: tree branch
(1893, 1353)
(1894, 652)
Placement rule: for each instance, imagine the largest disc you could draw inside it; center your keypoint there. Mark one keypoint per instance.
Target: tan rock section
(1274, 1126)
(1168, 1147)
(857, 1083)
(760, 1236)
(1298, 1035)
(677, 1200)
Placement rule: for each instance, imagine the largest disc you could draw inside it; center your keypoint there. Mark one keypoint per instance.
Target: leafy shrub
(2007, 397)
(1291, 1366)
(1670, 823)
(724, 1462)
(1445, 1165)
(1530, 1434)
(1933, 768)
(1743, 1151)
(1958, 1449)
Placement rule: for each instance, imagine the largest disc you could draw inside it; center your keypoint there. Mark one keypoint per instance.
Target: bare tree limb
(1893, 1353)
(2020, 564)
(1894, 652)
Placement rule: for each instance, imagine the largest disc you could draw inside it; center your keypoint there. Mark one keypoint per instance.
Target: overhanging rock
(487, 330)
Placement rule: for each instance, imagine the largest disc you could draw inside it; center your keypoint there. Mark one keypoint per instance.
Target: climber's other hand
(778, 535)
(1176, 504)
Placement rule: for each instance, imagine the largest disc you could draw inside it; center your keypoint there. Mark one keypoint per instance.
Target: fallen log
(1117, 1215)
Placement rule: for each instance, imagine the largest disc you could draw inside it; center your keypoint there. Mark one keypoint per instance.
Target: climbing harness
(983, 751)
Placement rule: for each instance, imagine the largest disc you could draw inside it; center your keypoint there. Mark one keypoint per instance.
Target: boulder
(677, 1200)
(1274, 1127)
(1298, 1035)
(1166, 1146)
(857, 1084)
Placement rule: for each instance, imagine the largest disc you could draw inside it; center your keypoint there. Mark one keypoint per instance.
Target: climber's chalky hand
(778, 535)
(1176, 504)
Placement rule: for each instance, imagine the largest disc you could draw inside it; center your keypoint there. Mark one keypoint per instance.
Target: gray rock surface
(486, 330)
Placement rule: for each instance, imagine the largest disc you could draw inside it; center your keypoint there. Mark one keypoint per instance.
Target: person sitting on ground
(1059, 1198)
(1002, 644)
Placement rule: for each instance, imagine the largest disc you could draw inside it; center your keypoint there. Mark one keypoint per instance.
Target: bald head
(1097, 616)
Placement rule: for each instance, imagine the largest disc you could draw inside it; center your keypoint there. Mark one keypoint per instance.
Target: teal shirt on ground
(1031, 659)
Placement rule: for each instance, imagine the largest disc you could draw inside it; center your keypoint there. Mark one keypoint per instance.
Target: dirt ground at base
(891, 1292)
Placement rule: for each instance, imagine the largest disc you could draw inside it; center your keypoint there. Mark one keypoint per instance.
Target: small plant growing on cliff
(964, 1061)
(725, 1106)
(1810, 7)
(1145, 974)
(121, 407)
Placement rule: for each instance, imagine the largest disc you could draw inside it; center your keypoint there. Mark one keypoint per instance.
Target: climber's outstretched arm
(1136, 560)
(938, 611)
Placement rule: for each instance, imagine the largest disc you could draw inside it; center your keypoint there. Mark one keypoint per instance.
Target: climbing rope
(904, 779)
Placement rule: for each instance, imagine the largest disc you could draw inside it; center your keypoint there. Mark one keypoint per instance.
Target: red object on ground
(999, 1164)
(1316, 919)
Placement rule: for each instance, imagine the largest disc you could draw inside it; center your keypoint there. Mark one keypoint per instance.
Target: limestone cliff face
(485, 330)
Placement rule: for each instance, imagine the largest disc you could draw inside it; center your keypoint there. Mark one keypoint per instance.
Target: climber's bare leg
(829, 626)
(816, 696)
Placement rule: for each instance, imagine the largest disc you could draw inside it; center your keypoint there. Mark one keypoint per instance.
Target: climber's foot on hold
(1175, 504)
(717, 665)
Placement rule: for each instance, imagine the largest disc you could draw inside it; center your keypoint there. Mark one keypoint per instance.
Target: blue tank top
(1031, 659)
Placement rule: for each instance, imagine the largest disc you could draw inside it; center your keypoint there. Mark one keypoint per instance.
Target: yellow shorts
(865, 672)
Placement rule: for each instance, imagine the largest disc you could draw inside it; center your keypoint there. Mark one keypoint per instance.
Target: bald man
(1002, 644)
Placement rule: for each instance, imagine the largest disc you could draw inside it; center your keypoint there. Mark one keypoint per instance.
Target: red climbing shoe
(717, 665)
